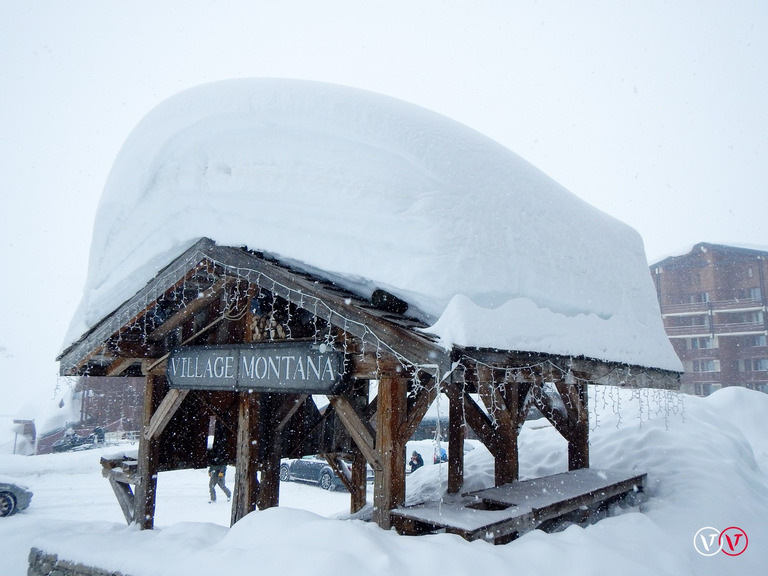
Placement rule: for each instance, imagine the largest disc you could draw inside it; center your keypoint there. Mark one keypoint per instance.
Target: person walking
(218, 473)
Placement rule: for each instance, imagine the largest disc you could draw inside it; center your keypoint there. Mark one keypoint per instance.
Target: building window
(754, 365)
(706, 366)
(705, 388)
(754, 341)
(743, 317)
(700, 297)
(703, 343)
(749, 294)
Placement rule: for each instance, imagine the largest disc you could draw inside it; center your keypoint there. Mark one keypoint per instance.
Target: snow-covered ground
(707, 461)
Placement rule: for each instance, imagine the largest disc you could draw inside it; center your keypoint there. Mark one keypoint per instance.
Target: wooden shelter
(232, 334)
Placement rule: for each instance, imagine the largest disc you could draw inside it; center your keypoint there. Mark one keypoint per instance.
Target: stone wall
(42, 563)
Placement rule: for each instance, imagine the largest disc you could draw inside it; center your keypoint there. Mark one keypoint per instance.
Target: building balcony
(701, 331)
(700, 354)
(753, 376)
(718, 329)
(696, 308)
(700, 377)
(739, 328)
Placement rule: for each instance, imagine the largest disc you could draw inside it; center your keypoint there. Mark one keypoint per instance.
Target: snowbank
(707, 466)
(366, 186)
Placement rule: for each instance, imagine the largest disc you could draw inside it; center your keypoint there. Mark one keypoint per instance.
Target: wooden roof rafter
(539, 367)
(93, 347)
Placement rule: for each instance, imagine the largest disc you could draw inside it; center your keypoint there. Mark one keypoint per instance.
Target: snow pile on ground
(707, 466)
(369, 187)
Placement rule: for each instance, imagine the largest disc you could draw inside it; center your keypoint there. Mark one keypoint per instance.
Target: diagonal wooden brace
(358, 427)
(165, 412)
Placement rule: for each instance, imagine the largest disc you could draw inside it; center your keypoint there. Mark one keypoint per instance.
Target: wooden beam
(595, 371)
(359, 429)
(125, 498)
(358, 492)
(473, 415)
(339, 309)
(269, 451)
(246, 483)
(75, 359)
(578, 440)
(165, 411)
(359, 481)
(121, 365)
(389, 481)
(455, 446)
(338, 469)
(148, 460)
(505, 434)
(185, 313)
(293, 405)
(417, 410)
(559, 420)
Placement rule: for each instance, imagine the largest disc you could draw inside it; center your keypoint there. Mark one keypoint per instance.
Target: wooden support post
(269, 451)
(359, 481)
(505, 433)
(148, 460)
(578, 437)
(246, 482)
(455, 446)
(389, 481)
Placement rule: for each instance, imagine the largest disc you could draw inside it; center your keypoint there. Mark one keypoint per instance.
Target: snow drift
(708, 468)
(368, 187)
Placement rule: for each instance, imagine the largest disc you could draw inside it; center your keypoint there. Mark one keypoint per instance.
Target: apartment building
(713, 302)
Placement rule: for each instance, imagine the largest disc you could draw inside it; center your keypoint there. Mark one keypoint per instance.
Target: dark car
(13, 497)
(314, 469)
(74, 442)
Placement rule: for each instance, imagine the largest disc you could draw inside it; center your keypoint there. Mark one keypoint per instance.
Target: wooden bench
(501, 513)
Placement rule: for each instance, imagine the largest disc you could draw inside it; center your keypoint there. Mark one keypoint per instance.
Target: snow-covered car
(13, 497)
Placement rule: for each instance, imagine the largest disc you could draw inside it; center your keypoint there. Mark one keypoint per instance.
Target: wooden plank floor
(498, 514)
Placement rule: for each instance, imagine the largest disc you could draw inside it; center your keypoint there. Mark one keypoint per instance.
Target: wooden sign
(296, 367)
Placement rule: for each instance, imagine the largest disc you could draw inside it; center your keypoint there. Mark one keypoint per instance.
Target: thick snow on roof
(368, 187)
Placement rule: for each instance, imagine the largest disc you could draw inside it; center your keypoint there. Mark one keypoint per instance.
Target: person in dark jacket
(416, 461)
(217, 461)
(218, 473)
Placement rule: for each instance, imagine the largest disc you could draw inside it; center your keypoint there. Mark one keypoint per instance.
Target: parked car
(313, 469)
(13, 497)
(74, 442)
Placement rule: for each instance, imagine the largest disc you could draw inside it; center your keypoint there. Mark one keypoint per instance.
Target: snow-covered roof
(377, 192)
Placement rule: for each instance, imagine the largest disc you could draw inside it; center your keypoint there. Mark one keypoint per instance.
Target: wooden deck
(501, 513)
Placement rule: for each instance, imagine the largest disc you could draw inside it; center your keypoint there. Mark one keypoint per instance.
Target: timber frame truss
(214, 295)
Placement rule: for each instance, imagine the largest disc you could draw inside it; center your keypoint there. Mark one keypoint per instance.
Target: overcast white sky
(654, 112)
